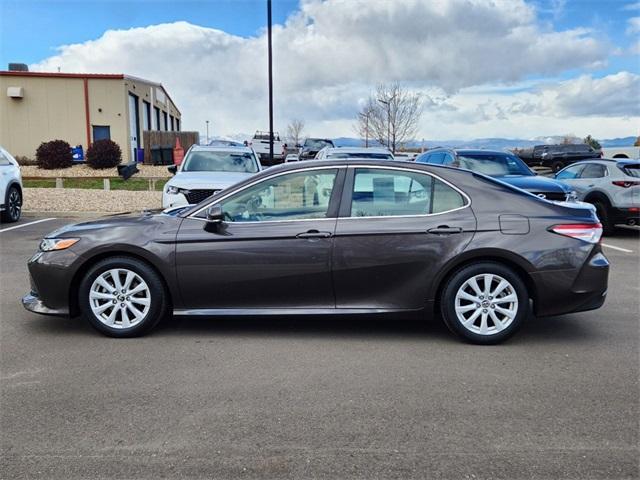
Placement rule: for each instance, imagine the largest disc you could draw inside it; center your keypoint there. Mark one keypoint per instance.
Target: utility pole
(270, 59)
(207, 122)
(388, 104)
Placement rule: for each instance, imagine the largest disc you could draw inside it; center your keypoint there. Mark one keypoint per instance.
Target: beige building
(81, 108)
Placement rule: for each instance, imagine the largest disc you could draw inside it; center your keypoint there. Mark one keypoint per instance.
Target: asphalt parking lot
(316, 397)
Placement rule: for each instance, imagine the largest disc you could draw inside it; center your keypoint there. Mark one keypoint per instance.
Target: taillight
(625, 183)
(589, 232)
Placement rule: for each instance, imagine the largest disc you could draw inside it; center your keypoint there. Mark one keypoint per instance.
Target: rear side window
(4, 160)
(387, 193)
(593, 170)
(631, 169)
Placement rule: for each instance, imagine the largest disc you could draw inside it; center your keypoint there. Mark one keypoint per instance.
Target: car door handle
(314, 234)
(444, 230)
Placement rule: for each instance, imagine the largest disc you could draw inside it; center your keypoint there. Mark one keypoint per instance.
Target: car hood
(122, 227)
(207, 180)
(535, 183)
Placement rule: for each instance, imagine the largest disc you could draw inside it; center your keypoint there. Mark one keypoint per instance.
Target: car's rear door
(272, 251)
(396, 229)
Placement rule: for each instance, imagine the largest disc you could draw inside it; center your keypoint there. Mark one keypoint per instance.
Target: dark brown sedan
(332, 237)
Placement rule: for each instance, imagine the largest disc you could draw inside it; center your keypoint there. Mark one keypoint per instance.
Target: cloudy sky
(485, 68)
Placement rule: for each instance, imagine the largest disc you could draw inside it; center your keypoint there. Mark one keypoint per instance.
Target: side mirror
(215, 214)
(173, 169)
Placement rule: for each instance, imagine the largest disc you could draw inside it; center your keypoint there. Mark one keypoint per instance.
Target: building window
(156, 111)
(166, 122)
(173, 125)
(101, 132)
(177, 124)
(146, 116)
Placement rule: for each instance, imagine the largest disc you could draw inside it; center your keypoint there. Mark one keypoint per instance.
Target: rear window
(631, 169)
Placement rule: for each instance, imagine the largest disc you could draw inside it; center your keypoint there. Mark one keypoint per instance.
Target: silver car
(206, 170)
(612, 186)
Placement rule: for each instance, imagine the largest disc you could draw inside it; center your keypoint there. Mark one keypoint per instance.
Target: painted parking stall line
(27, 224)
(625, 250)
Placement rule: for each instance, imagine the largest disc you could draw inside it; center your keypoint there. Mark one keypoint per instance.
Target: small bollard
(106, 183)
(59, 182)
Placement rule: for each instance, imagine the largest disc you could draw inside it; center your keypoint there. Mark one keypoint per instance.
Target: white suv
(368, 153)
(206, 170)
(612, 186)
(10, 188)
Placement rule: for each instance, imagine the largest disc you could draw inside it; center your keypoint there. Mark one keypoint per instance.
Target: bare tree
(295, 130)
(391, 116)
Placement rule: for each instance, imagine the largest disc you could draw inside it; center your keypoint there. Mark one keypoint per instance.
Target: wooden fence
(154, 138)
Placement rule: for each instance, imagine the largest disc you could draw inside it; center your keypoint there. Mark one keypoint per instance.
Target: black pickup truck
(556, 157)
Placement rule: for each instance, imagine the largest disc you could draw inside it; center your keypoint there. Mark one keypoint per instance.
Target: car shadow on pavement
(568, 328)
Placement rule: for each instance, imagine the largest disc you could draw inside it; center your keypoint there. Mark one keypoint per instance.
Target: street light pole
(270, 60)
(207, 122)
(388, 104)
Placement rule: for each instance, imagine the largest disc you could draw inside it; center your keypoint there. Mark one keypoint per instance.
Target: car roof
(357, 149)
(468, 151)
(221, 148)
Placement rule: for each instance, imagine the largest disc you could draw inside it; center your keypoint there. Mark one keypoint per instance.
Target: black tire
(158, 308)
(453, 286)
(602, 210)
(556, 166)
(13, 205)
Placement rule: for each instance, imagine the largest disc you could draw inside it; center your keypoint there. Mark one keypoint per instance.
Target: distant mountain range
(482, 143)
(487, 143)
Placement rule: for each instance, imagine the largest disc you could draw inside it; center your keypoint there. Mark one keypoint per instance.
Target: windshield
(203, 161)
(497, 164)
(374, 156)
(316, 143)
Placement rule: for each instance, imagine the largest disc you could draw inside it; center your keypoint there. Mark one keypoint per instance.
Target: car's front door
(396, 229)
(273, 250)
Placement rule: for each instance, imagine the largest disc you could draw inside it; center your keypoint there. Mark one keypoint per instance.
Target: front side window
(383, 193)
(294, 196)
(205, 161)
(569, 173)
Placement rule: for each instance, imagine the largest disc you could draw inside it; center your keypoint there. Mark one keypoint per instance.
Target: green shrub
(104, 154)
(54, 154)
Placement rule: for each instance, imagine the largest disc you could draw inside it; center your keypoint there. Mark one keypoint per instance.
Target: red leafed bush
(54, 154)
(104, 154)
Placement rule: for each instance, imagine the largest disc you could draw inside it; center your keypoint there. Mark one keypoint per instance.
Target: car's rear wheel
(602, 210)
(13, 205)
(484, 303)
(122, 297)
(557, 166)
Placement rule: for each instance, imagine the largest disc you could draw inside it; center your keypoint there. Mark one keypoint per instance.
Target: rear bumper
(625, 216)
(569, 291)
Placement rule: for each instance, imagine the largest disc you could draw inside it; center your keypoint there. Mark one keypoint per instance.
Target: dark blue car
(501, 166)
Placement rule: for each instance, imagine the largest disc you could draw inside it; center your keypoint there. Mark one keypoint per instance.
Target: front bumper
(170, 200)
(32, 303)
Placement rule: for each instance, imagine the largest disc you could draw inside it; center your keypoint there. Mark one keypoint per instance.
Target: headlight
(572, 196)
(50, 244)
(172, 190)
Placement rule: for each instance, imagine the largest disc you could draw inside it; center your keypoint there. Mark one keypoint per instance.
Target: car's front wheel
(122, 297)
(13, 206)
(484, 303)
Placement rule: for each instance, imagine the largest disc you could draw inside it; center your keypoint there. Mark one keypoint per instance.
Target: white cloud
(328, 55)
(634, 25)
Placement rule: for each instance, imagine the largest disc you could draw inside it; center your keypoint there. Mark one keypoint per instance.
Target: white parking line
(625, 250)
(27, 224)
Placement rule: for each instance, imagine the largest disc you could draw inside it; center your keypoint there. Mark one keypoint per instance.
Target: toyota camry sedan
(332, 237)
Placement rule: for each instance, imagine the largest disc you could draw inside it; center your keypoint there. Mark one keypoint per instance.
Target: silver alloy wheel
(119, 298)
(14, 204)
(486, 304)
